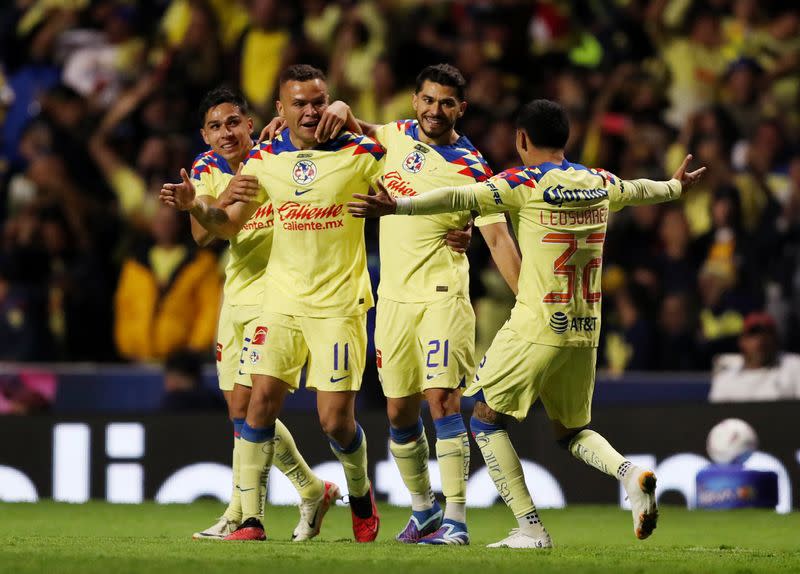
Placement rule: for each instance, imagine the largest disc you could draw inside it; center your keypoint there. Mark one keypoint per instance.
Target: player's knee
(401, 415)
(336, 424)
(443, 402)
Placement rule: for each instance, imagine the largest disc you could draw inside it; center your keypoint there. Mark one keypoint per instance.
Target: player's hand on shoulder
(688, 178)
(373, 205)
(458, 239)
(178, 195)
(241, 188)
(273, 128)
(333, 119)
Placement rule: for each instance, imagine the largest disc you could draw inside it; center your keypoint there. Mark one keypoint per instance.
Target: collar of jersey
(221, 163)
(547, 166)
(283, 143)
(462, 141)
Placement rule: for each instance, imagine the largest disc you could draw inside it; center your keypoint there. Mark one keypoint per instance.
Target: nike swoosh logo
(334, 380)
(298, 192)
(246, 489)
(313, 520)
(429, 376)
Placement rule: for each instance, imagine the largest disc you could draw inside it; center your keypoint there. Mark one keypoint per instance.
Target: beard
(445, 126)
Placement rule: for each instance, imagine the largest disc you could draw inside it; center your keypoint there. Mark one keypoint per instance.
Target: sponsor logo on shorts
(304, 172)
(338, 379)
(219, 352)
(260, 336)
(559, 323)
(379, 358)
(255, 356)
(414, 162)
(430, 376)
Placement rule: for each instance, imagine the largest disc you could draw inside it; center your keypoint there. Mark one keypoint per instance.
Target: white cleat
(519, 539)
(219, 531)
(312, 511)
(640, 485)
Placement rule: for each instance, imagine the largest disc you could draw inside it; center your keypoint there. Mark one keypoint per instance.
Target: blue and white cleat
(421, 524)
(450, 532)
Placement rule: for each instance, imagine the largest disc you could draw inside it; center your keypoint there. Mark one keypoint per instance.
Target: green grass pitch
(115, 539)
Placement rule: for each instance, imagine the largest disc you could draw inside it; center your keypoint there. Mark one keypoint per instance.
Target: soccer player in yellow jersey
(425, 324)
(226, 129)
(548, 347)
(317, 290)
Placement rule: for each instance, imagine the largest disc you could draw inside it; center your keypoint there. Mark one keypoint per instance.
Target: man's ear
(205, 138)
(462, 107)
(279, 108)
(522, 139)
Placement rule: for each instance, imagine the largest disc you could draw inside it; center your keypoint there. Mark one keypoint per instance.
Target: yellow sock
(452, 450)
(594, 450)
(354, 462)
(504, 467)
(234, 510)
(290, 462)
(453, 455)
(412, 462)
(256, 450)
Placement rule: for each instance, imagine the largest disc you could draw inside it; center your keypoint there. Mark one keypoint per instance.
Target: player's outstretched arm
(504, 252)
(647, 191)
(441, 200)
(224, 222)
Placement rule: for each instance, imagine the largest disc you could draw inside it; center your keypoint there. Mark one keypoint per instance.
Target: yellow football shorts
(335, 349)
(233, 321)
(424, 345)
(514, 373)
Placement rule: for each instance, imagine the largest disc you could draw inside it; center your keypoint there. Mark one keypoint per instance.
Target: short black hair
(301, 73)
(222, 95)
(443, 74)
(546, 124)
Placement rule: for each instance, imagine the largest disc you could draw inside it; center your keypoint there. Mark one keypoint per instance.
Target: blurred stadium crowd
(98, 107)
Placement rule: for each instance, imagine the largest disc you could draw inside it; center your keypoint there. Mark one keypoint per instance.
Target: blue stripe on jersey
(462, 152)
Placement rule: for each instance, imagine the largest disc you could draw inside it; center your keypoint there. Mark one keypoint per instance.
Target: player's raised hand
(378, 205)
(181, 196)
(333, 119)
(272, 129)
(458, 239)
(688, 179)
(241, 188)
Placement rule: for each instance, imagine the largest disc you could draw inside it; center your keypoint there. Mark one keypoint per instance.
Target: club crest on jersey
(414, 162)
(304, 172)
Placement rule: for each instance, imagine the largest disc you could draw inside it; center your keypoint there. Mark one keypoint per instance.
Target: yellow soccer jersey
(563, 212)
(249, 250)
(318, 265)
(416, 265)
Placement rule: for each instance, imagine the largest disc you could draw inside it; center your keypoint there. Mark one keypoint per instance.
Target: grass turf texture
(101, 537)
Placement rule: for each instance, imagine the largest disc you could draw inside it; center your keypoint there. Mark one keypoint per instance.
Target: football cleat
(251, 529)
(366, 529)
(312, 511)
(219, 531)
(640, 485)
(519, 539)
(451, 532)
(421, 523)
